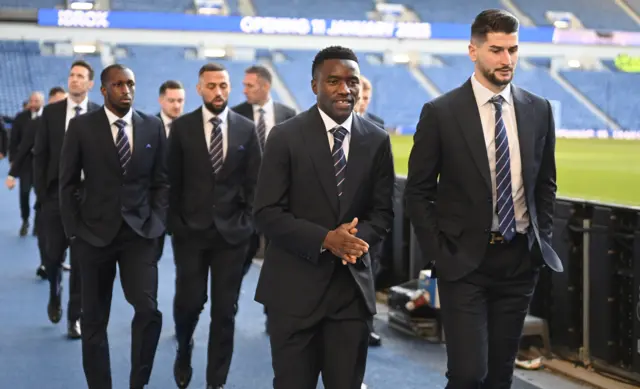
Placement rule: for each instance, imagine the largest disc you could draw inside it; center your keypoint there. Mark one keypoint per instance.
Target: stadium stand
(31, 4)
(596, 14)
(153, 5)
(327, 9)
(397, 94)
(456, 11)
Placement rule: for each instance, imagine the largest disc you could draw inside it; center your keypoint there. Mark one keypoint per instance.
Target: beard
(492, 78)
(213, 109)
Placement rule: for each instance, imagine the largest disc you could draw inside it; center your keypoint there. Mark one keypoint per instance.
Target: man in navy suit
(480, 194)
(114, 217)
(213, 160)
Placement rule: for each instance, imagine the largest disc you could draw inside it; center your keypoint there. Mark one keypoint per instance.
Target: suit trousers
(198, 254)
(483, 315)
(26, 183)
(332, 341)
(56, 243)
(137, 259)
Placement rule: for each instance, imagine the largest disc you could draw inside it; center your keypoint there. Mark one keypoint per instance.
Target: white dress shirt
(166, 120)
(269, 116)
(487, 117)
(71, 111)
(127, 130)
(224, 127)
(330, 124)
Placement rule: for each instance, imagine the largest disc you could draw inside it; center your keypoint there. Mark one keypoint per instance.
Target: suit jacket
(47, 147)
(199, 199)
(374, 118)
(106, 196)
(297, 205)
(18, 129)
(449, 192)
(281, 111)
(4, 139)
(23, 159)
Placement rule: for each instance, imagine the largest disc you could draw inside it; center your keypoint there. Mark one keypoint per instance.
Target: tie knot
(339, 133)
(77, 108)
(216, 121)
(497, 101)
(261, 111)
(121, 124)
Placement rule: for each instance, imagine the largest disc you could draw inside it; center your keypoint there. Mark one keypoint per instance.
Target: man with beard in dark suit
(213, 161)
(113, 218)
(24, 157)
(265, 113)
(324, 196)
(18, 128)
(480, 194)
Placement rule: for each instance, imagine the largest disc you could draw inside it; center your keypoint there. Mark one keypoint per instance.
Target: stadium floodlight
(574, 63)
(214, 53)
(84, 48)
(401, 58)
(80, 5)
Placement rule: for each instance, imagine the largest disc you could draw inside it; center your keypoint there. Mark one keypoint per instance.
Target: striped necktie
(339, 158)
(123, 146)
(215, 145)
(262, 129)
(504, 197)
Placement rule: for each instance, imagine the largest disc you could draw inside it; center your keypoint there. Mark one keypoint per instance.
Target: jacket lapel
(106, 136)
(355, 164)
(317, 145)
(140, 137)
(234, 141)
(471, 126)
(525, 116)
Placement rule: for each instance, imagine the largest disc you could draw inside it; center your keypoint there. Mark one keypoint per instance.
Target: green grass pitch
(592, 169)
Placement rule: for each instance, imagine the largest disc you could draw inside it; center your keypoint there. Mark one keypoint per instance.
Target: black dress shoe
(41, 272)
(24, 229)
(215, 387)
(54, 309)
(374, 339)
(182, 370)
(73, 329)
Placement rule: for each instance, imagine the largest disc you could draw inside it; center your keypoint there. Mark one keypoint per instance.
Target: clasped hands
(344, 244)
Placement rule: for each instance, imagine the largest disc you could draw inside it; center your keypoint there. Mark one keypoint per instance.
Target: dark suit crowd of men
(316, 187)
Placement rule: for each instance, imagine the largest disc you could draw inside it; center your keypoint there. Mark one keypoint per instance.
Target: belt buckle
(496, 238)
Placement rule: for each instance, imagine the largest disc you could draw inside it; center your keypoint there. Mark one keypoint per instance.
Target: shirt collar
(208, 115)
(112, 117)
(166, 120)
(484, 94)
(267, 107)
(330, 124)
(84, 104)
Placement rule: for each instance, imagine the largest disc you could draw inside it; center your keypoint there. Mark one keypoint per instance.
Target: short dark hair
(170, 84)
(55, 90)
(211, 67)
(85, 65)
(332, 52)
(493, 20)
(260, 71)
(105, 72)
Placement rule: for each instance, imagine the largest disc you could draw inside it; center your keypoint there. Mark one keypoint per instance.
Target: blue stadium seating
(152, 5)
(455, 11)
(615, 93)
(31, 4)
(597, 14)
(327, 9)
(397, 96)
(457, 70)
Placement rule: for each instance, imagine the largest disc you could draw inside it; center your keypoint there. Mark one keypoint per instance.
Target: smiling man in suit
(324, 195)
(54, 123)
(114, 217)
(480, 193)
(214, 157)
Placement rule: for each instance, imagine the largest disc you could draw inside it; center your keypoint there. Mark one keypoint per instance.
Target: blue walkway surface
(36, 354)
